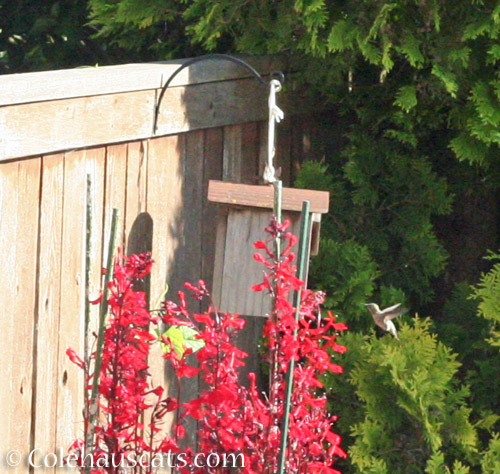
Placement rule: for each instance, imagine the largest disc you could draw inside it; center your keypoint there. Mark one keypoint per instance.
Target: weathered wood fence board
(66, 127)
(49, 261)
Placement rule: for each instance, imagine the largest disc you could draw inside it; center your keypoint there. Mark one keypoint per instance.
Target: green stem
(103, 310)
(304, 238)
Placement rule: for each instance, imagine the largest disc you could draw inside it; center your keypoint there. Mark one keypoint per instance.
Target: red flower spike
(125, 392)
(231, 417)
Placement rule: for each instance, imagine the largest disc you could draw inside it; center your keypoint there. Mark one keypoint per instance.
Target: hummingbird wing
(390, 308)
(394, 314)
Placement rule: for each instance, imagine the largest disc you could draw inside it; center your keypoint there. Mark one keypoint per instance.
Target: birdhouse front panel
(235, 268)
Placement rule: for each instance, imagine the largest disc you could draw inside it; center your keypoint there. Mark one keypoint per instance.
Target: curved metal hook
(225, 57)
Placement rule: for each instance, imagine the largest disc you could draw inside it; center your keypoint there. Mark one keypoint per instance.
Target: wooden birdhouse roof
(263, 196)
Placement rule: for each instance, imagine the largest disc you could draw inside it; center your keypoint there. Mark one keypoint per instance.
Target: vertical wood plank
(250, 153)
(164, 201)
(116, 175)
(26, 301)
(243, 228)
(8, 235)
(138, 223)
(188, 261)
(51, 216)
(136, 183)
(95, 159)
(212, 169)
(164, 192)
(187, 264)
(71, 320)
(241, 271)
(19, 239)
(231, 164)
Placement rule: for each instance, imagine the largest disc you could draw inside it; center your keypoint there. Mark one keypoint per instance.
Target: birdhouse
(244, 212)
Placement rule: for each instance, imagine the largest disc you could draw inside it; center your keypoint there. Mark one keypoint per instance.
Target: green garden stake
(301, 270)
(103, 310)
(88, 234)
(278, 188)
(277, 207)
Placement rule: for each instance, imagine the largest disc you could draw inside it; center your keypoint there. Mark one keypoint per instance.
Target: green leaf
(448, 78)
(182, 338)
(341, 36)
(406, 98)
(411, 49)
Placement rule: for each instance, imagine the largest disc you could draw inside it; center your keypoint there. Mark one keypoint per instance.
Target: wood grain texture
(71, 312)
(236, 270)
(115, 189)
(136, 187)
(241, 271)
(8, 233)
(19, 213)
(26, 300)
(249, 153)
(212, 169)
(188, 259)
(219, 254)
(45, 127)
(263, 196)
(231, 154)
(95, 160)
(164, 193)
(49, 287)
(82, 82)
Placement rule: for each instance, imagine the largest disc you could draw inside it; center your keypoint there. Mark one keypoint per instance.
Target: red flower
(231, 416)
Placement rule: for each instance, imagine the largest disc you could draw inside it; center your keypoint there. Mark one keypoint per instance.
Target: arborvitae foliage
(408, 412)
(52, 34)
(413, 408)
(487, 293)
(154, 29)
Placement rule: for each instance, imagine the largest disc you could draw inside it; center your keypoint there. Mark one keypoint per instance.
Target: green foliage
(490, 462)
(382, 202)
(49, 35)
(406, 98)
(487, 293)
(152, 29)
(347, 273)
(413, 409)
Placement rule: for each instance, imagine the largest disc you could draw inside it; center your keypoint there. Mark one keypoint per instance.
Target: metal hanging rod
(217, 56)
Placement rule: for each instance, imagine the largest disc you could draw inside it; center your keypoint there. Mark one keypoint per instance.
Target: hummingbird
(383, 318)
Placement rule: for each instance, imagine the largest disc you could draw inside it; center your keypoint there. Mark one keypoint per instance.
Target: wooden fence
(57, 127)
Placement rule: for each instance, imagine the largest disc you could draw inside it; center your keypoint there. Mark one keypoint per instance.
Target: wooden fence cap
(263, 196)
